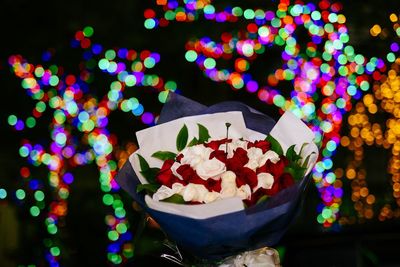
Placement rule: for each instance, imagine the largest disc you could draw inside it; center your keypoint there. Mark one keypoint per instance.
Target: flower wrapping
(222, 228)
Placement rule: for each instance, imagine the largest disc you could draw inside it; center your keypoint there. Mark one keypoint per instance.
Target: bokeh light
(365, 131)
(65, 97)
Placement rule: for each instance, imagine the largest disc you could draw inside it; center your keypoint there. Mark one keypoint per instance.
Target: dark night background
(31, 27)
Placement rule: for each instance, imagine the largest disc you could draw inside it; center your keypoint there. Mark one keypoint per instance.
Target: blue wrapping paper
(225, 235)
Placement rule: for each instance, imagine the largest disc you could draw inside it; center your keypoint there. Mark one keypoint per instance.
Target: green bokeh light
(35, 211)
(20, 194)
(191, 55)
(39, 195)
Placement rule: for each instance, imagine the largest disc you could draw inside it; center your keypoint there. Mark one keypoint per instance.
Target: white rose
(194, 192)
(211, 197)
(228, 184)
(244, 192)
(235, 144)
(254, 155)
(162, 193)
(252, 164)
(177, 187)
(269, 155)
(165, 192)
(194, 155)
(211, 168)
(201, 193)
(228, 177)
(228, 191)
(265, 180)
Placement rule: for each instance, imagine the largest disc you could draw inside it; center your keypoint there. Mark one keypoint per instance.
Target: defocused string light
(3, 193)
(79, 135)
(364, 130)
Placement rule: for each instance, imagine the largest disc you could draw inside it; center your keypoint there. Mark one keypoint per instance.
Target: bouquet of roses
(207, 170)
(203, 168)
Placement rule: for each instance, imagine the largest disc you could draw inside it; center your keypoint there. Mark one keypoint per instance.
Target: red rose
(179, 157)
(177, 180)
(213, 185)
(219, 154)
(186, 172)
(284, 160)
(280, 183)
(276, 169)
(189, 175)
(261, 169)
(238, 160)
(195, 179)
(216, 143)
(255, 197)
(246, 176)
(274, 189)
(262, 144)
(165, 176)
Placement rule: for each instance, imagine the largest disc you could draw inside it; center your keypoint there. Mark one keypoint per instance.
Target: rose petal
(262, 144)
(229, 191)
(269, 155)
(211, 197)
(165, 192)
(212, 168)
(194, 192)
(265, 180)
(244, 192)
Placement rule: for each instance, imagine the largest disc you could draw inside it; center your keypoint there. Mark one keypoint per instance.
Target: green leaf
(193, 142)
(292, 171)
(291, 154)
(296, 171)
(150, 188)
(164, 155)
(175, 198)
(150, 174)
(182, 138)
(143, 163)
(204, 135)
(299, 173)
(262, 199)
(275, 146)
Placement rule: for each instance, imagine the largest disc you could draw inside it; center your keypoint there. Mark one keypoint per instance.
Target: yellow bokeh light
(396, 187)
(393, 17)
(351, 173)
(364, 192)
(382, 101)
(368, 99)
(375, 30)
(371, 199)
(369, 213)
(344, 141)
